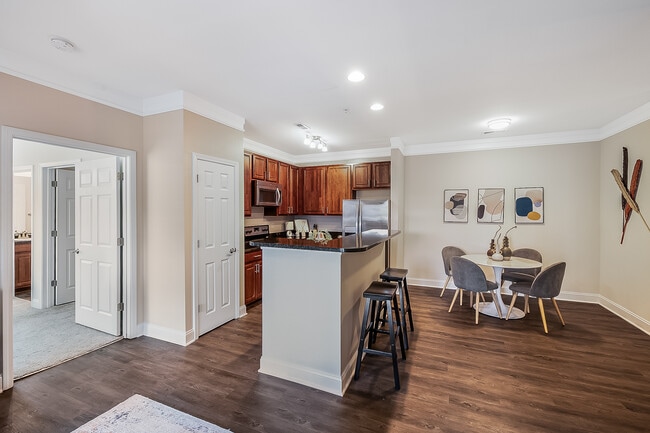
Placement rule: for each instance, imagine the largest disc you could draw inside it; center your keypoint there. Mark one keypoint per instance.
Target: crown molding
(271, 152)
(344, 156)
(181, 100)
(626, 121)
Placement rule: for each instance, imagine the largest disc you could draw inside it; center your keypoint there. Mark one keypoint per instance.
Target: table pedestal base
(489, 309)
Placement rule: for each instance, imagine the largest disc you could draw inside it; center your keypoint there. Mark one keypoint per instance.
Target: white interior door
(65, 239)
(216, 236)
(97, 264)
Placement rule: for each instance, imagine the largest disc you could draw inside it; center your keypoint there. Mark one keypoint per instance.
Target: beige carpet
(45, 338)
(139, 414)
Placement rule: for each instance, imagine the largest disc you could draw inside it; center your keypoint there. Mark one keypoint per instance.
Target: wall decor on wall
(529, 205)
(456, 205)
(490, 205)
(629, 194)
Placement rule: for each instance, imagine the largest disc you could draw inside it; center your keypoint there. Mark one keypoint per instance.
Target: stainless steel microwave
(266, 193)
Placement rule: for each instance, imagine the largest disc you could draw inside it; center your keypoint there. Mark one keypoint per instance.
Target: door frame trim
(196, 157)
(129, 217)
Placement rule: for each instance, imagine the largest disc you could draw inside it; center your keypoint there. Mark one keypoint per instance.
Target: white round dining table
(490, 308)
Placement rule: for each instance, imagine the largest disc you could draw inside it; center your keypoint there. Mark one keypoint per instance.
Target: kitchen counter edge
(347, 244)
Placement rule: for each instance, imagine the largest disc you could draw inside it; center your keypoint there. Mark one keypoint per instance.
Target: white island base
(311, 313)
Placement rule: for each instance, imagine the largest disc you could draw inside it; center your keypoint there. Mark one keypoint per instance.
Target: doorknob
(232, 250)
(76, 251)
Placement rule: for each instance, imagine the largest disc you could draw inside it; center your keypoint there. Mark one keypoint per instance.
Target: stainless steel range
(253, 233)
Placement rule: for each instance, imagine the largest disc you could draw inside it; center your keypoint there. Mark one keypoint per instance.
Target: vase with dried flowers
(493, 244)
(506, 252)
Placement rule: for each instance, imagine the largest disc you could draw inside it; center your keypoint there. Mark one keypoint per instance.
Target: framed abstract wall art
(529, 205)
(455, 206)
(490, 205)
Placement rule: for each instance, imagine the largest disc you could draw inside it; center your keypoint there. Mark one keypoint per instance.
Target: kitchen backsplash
(277, 223)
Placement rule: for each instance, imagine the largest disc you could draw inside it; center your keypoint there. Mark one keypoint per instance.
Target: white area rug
(139, 414)
(48, 337)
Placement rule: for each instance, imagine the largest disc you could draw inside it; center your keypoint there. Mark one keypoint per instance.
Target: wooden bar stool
(397, 275)
(380, 294)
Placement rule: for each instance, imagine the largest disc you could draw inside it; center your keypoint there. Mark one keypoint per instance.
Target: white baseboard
(242, 311)
(626, 314)
(298, 374)
(165, 334)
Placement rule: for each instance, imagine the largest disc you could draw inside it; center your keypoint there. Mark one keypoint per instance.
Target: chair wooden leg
(496, 304)
(512, 304)
(453, 300)
(526, 305)
(461, 297)
(471, 299)
(476, 308)
(444, 286)
(482, 297)
(557, 308)
(541, 310)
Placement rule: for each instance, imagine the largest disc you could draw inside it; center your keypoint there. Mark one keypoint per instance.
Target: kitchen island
(312, 305)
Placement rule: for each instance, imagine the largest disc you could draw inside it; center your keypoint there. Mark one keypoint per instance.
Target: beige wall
(570, 177)
(163, 251)
(625, 269)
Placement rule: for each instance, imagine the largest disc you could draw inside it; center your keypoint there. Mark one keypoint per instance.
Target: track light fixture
(315, 142)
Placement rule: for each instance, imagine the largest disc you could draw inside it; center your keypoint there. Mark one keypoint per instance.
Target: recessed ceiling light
(499, 124)
(356, 76)
(62, 44)
(376, 107)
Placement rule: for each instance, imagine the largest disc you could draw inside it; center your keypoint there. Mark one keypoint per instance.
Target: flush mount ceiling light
(62, 44)
(376, 107)
(499, 124)
(356, 76)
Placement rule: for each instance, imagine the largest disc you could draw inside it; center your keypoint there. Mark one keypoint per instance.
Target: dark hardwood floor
(591, 376)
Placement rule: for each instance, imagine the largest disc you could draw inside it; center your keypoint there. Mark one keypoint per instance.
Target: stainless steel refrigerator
(363, 215)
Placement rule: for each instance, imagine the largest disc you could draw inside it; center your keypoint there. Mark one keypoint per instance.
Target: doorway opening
(97, 191)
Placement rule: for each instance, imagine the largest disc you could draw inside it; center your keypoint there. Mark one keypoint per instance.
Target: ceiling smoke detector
(62, 44)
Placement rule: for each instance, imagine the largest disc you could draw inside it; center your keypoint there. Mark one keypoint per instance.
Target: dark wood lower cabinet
(252, 277)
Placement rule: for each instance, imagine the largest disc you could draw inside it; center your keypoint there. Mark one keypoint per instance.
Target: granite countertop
(347, 244)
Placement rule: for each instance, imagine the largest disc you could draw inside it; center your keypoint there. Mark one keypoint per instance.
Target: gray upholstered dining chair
(447, 253)
(547, 284)
(469, 276)
(522, 275)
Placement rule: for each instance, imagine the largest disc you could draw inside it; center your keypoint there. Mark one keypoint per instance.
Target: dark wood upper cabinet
(264, 168)
(313, 190)
(337, 188)
(371, 175)
(258, 170)
(381, 174)
(247, 185)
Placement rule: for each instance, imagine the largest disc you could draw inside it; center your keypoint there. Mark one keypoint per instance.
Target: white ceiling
(441, 68)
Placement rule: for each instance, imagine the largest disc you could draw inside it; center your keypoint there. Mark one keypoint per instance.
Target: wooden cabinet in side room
(23, 265)
(264, 168)
(338, 188)
(369, 175)
(313, 200)
(252, 277)
(247, 185)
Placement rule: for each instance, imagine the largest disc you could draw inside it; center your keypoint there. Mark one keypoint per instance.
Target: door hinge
(120, 175)
(120, 306)
(197, 178)
(198, 243)
(54, 233)
(53, 283)
(55, 183)
(199, 308)
(120, 242)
